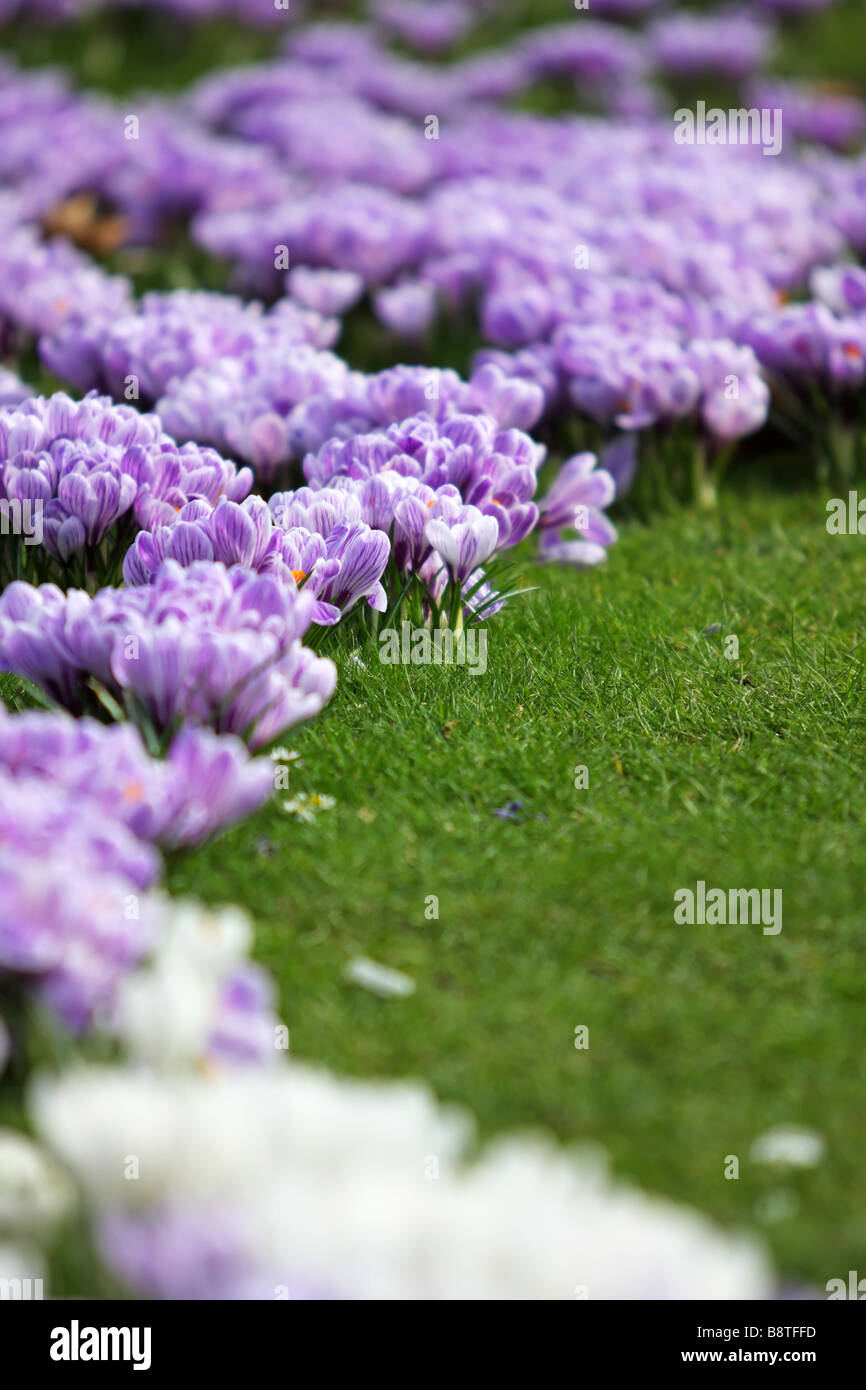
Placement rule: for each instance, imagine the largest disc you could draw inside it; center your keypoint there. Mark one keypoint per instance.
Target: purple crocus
(576, 501)
(735, 399)
(91, 464)
(311, 542)
(205, 783)
(362, 555)
(407, 309)
(734, 44)
(428, 25)
(464, 545)
(207, 645)
(68, 929)
(325, 291)
(240, 534)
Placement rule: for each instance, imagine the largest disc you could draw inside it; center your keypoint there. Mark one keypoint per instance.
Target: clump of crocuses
(78, 478)
(205, 783)
(73, 917)
(207, 646)
(333, 554)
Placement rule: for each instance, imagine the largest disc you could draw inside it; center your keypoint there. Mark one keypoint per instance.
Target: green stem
(704, 493)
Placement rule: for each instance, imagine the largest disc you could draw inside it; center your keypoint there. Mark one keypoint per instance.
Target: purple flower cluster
(88, 465)
(654, 257)
(203, 645)
(244, 404)
(430, 494)
(808, 344)
(269, 408)
(138, 354)
(48, 284)
(451, 493)
(834, 118)
(734, 45)
(72, 916)
(635, 382)
(331, 553)
(204, 784)
(439, 204)
(84, 806)
(121, 156)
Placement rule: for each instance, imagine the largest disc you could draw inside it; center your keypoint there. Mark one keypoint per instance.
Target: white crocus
(34, 1193)
(166, 1010)
(366, 1190)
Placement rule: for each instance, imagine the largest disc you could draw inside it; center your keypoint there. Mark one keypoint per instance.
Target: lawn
(555, 902)
(740, 773)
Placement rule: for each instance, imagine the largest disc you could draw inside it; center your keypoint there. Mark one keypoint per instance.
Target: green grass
(744, 774)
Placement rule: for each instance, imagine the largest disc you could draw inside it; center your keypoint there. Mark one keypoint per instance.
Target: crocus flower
(464, 544)
(207, 645)
(407, 309)
(362, 555)
(91, 464)
(205, 783)
(326, 291)
(576, 501)
(241, 1172)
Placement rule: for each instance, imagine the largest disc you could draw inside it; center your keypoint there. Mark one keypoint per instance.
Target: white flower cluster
(295, 1183)
(348, 1189)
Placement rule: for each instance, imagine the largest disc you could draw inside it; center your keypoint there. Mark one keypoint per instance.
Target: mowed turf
(744, 773)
